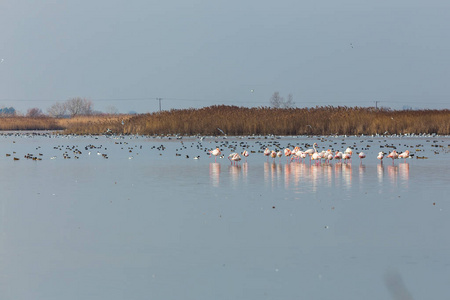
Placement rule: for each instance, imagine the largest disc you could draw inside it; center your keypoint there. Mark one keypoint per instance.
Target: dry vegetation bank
(247, 121)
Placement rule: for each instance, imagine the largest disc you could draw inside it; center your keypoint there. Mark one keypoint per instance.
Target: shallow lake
(139, 218)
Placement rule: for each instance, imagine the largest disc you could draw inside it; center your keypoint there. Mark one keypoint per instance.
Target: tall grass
(28, 123)
(318, 121)
(235, 120)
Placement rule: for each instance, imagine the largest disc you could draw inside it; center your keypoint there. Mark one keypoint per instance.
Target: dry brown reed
(235, 120)
(29, 123)
(296, 121)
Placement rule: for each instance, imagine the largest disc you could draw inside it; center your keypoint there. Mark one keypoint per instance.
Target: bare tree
(112, 110)
(34, 112)
(57, 110)
(289, 102)
(79, 106)
(277, 101)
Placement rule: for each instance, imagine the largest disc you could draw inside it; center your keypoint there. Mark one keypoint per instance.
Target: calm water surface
(146, 223)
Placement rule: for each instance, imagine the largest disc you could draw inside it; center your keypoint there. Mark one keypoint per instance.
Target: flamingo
(245, 154)
(230, 157)
(381, 156)
(287, 153)
(315, 156)
(296, 155)
(346, 157)
(349, 151)
(303, 154)
(279, 154)
(361, 155)
(338, 155)
(325, 155)
(234, 158)
(267, 153)
(273, 154)
(404, 155)
(216, 152)
(311, 151)
(330, 157)
(393, 155)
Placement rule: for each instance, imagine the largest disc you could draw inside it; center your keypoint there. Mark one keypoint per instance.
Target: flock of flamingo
(298, 155)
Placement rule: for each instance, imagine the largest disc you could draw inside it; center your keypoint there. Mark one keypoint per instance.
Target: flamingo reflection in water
(404, 171)
(380, 172)
(214, 173)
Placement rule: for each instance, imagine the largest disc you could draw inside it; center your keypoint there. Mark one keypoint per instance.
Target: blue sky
(199, 53)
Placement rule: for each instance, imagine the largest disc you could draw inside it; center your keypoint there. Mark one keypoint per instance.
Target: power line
(237, 101)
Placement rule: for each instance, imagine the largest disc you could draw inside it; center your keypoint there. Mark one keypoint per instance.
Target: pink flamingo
(393, 155)
(361, 156)
(346, 157)
(287, 153)
(303, 155)
(234, 158)
(380, 156)
(267, 153)
(338, 155)
(273, 154)
(330, 157)
(315, 156)
(349, 151)
(279, 154)
(296, 155)
(216, 152)
(245, 154)
(311, 151)
(404, 155)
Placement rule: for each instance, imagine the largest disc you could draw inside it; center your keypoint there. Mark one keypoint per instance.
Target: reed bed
(29, 123)
(296, 121)
(233, 120)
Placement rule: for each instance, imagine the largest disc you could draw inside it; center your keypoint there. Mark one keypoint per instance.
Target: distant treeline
(233, 120)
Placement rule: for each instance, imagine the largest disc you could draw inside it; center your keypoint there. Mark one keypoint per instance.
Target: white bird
(311, 151)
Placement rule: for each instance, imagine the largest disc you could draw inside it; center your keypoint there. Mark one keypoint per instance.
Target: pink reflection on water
(347, 175)
(404, 171)
(234, 171)
(392, 171)
(214, 173)
(273, 172)
(362, 170)
(380, 172)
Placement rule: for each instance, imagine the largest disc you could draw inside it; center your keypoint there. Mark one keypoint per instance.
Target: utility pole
(159, 99)
(376, 104)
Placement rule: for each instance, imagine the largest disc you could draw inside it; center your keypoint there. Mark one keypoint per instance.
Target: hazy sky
(199, 53)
